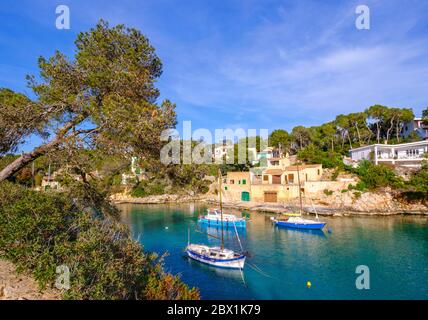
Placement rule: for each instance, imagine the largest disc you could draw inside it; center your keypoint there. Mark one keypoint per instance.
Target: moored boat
(213, 218)
(299, 223)
(295, 220)
(216, 256)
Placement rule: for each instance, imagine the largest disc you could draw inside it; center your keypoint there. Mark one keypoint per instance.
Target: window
(239, 181)
(231, 181)
(244, 181)
(225, 188)
(265, 178)
(318, 171)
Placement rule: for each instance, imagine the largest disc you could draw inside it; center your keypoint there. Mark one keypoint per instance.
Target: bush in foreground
(40, 231)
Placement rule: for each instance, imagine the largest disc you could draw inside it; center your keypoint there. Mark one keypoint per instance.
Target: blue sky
(247, 64)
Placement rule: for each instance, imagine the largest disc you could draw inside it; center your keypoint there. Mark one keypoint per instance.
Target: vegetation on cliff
(41, 231)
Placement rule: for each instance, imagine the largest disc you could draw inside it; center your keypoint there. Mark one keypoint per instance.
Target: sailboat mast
(221, 208)
(300, 194)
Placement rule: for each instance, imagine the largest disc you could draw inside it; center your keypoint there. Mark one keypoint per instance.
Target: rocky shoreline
(336, 204)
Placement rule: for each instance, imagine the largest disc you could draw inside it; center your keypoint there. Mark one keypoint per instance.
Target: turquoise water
(281, 261)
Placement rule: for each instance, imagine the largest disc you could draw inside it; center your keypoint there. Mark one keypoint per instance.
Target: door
(245, 196)
(276, 179)
(270, 196)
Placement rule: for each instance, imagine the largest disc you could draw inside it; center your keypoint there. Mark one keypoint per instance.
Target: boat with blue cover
(299, 223)
(295, 220)
(213, 218)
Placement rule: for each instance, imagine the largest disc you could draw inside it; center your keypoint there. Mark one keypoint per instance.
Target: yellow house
(276, 185)
(288, 175)
(278, 163)
(237, 186)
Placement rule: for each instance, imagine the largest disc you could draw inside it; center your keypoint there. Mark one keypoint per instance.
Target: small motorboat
(297, 222)
(213, 218)
(216, 256)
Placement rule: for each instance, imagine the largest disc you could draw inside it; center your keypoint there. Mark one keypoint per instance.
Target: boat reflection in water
(226, 273)
(291, 231)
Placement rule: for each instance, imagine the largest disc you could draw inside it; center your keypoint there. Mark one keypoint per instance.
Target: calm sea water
(281, 261)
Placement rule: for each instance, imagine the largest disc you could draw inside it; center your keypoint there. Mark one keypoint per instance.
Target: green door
(245, 196)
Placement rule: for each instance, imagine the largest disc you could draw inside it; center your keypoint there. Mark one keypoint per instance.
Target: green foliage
(357, 194)
(6, 160)
(40, 231)
(328, 192)
(376, 176)
(102, 98)
(335, 174)
(148, 188)
(281, 138)
(17, 119)
(425, 116)
(419, 180)
(312, 154)
(204, 189)
(360, 186)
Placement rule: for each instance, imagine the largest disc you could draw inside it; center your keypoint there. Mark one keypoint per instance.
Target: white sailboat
(217, 256)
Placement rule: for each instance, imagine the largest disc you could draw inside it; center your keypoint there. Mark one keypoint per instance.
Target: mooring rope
(257, 269)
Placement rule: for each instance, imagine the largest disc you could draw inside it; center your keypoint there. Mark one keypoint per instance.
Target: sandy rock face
(14, 286)
(369, 202)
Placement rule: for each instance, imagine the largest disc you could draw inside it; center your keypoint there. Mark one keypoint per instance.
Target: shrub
(360, 186)
(344, 190)
(204, 189)
(328, 192)
(357, 194)
(148, 188)
(313, 154)
(419, 180)
(375, 176)
(40, 231)
(335, 174)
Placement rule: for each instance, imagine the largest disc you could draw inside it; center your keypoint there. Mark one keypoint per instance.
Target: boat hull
(235, 263)
(307, 226)
(226, 223)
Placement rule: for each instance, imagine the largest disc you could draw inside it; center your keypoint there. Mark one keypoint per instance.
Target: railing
(415, 157)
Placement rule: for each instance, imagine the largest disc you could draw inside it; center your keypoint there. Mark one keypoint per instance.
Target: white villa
(416, 125)
(405, 154)
(222, 150)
